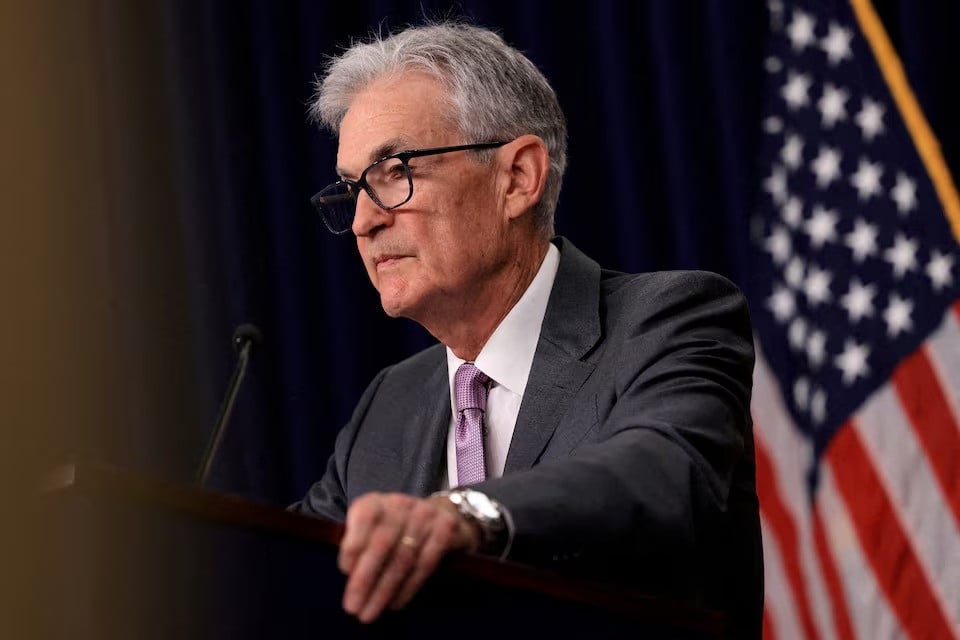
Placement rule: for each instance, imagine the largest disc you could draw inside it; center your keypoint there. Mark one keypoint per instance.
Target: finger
(442, 538)
(397, 567)
(369, 564)
(370, 559)
(362, 517)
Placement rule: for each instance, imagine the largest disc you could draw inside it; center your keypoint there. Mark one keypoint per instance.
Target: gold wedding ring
(408, 541)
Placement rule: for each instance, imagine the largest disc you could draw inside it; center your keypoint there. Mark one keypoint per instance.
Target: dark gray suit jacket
(632, 457)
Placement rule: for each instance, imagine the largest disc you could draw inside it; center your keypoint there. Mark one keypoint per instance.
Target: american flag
(857, 385)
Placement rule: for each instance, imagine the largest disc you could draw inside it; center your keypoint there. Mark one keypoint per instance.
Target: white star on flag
(837, 44)
(853, 361)
(817, 348)
(779, 245)
(772, 125)
(797, 333)
(776, 185)
(817, 286)
(822, 226)
(938, 270)
(904, 193)
(800, 30)
(782, 304)
(831, 105)
(902, 255)
(794, 273)
(862, 240)
(818, 405)
(826, 166)
(795, 92)
(793, 212)
(801, 392)
(858, 301)
(792, 153)
(870, 119)
(867, 179)
(897, 315)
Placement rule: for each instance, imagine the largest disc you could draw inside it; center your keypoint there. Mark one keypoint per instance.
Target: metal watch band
(493, 529)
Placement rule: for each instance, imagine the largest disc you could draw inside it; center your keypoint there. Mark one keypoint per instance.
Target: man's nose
(369, 217)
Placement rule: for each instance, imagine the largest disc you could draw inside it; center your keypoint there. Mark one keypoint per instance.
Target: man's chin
(393, 312)
(402, 298)
(394, 306)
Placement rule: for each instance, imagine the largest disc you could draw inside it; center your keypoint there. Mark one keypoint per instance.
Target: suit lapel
(425, 438)
(571, 328)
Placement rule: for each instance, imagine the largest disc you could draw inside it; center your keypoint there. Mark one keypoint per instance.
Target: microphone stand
(244, 338)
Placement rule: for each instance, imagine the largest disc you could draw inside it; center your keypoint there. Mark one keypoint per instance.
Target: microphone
(245, 337)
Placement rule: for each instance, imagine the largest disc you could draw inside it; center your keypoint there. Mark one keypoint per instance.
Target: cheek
(454, 231)
(461, 253)
(367, 263)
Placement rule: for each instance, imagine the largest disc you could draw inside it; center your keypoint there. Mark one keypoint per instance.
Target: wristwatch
(478, 508)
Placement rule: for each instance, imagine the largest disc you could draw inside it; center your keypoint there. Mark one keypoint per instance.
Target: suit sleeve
(327, 497)
(670, 469)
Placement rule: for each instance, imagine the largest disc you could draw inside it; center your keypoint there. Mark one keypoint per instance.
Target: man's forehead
(392, 115)
(348, 157)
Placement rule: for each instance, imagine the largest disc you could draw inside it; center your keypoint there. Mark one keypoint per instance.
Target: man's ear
(528, 163)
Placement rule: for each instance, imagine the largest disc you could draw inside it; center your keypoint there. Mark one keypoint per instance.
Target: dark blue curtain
(663, 100)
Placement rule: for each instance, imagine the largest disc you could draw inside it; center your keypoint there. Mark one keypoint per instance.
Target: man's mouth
(388, 260)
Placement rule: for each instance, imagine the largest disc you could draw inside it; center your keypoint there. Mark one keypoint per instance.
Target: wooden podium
(136, 558)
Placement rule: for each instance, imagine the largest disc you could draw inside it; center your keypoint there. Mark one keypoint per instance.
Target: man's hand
(393, 542)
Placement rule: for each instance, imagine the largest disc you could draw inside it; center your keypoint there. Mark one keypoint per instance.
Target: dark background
(195, 114)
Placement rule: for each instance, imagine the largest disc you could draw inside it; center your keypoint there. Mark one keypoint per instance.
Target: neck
(468, 327)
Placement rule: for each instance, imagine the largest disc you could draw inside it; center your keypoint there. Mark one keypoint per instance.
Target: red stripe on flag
(882, 538)
(776, 513)
(768, 632)
(932, 419)
(828, 567)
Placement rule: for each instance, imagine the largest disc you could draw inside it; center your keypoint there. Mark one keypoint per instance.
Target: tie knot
(471, 387)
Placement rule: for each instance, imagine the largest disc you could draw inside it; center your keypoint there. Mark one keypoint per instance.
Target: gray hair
(495, 92)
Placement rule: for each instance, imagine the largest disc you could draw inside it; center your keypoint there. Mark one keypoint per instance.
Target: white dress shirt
(506, 358)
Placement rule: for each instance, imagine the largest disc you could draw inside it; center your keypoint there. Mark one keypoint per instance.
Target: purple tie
(471, 388)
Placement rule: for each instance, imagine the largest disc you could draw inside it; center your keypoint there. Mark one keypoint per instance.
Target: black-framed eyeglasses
(387, 181)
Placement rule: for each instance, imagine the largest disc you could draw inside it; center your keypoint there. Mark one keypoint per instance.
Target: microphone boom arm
(244, 338)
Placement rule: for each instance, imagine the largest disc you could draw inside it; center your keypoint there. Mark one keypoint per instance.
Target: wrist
(470, 532)
(486, 519)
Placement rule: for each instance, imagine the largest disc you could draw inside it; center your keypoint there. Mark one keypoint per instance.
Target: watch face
(482, 504)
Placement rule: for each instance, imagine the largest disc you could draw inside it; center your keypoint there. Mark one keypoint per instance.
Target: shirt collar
(508, 354)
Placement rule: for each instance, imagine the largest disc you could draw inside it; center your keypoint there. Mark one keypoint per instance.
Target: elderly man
(572, 418)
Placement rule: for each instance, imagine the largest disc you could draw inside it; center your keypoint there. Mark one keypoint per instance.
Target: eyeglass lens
(387, 182)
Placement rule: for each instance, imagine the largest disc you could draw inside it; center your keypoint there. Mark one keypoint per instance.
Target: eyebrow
(388, 148)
